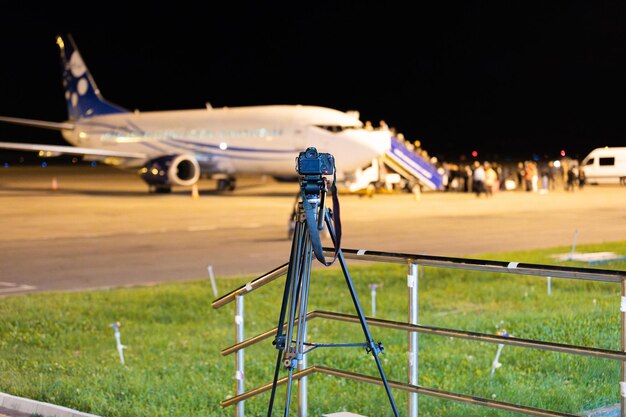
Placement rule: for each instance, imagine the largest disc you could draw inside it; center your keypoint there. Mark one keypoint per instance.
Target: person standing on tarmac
(491, 178)
(478, 179)
(572, 178)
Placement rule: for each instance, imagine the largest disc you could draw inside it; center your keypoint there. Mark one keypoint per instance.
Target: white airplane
(178, 147)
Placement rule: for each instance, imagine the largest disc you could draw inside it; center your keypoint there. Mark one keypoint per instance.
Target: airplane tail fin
(81, 93)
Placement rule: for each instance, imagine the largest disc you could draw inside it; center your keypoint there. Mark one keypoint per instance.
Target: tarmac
(100, 228)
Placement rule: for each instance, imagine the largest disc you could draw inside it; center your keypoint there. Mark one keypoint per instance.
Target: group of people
(479, 178)
(575, 178)
(486, 178)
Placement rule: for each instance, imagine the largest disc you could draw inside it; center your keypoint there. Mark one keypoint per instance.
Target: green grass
(60, 347)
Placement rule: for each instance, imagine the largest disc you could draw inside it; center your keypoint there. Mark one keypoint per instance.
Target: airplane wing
(56, 150)
(38, 123)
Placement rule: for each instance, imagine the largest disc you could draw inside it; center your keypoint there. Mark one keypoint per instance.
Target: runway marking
(149, 231)
(100, 234)
(80, 236)
(146, 232)
(200, 228)
(12, 287)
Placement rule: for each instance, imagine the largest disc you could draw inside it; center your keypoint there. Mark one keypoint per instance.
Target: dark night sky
(507, 79)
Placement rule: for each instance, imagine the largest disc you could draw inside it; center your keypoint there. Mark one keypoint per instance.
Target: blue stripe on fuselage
(231, 148)
(191, 146)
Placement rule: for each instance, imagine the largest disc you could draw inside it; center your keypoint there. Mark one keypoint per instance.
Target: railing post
(302, 383)
(623, 373)
(412, 281)
(239, 375)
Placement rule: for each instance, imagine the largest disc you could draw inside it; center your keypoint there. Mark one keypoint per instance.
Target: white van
(605, 166)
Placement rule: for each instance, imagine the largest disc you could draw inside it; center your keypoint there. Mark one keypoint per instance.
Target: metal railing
(413, 261)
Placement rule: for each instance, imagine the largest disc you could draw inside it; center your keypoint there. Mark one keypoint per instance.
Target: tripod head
(312, 167)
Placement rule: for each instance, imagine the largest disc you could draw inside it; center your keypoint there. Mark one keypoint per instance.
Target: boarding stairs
(399, 162)
(412, 166)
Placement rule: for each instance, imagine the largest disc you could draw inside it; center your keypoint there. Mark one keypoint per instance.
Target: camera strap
(311, 222)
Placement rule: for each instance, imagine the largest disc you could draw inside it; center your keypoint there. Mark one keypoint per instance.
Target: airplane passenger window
(606, 161)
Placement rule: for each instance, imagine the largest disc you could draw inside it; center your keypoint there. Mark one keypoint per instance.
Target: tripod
(296, 293)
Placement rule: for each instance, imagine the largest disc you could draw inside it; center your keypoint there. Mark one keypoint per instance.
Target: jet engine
(163, 172)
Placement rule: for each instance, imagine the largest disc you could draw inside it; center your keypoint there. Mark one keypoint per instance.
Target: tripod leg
(279, 340)
(373, 347)
(297, 353)
(296, 291)
(290, 356)
(295, 348)
(304, 299)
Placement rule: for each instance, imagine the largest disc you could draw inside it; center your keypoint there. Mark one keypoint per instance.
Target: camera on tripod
(311, 162)
(309, 218)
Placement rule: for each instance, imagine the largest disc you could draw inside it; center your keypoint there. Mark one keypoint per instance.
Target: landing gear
(226, 184)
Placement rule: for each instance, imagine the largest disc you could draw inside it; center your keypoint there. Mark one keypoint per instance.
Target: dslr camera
(310, 162)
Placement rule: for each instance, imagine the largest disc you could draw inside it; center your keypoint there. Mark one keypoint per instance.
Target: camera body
(310, 162)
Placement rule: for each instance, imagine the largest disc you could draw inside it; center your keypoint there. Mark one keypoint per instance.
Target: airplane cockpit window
(589, 162)
(335, 128)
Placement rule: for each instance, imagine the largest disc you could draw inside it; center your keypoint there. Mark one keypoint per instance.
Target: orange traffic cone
(194, 191)
(55, 184)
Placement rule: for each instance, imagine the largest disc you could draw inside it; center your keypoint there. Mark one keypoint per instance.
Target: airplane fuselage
(239, 140)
